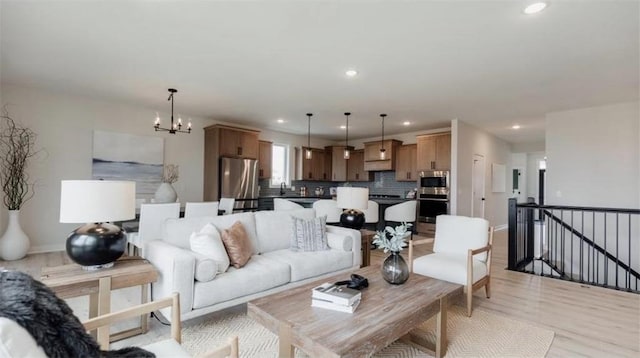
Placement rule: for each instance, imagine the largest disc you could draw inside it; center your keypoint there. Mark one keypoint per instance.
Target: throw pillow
(208, 243)
(310, 235)
(238, 245)
(206, 268)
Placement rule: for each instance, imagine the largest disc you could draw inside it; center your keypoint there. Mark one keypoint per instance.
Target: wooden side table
(69, 281)
(367, 237)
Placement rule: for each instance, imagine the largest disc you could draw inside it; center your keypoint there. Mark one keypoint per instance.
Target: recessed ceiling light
(406, 123)
(351, 73)
(515, 126)
(343, 127)
(535, 8)
(280, 120)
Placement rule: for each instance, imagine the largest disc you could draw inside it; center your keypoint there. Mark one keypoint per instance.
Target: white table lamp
(353, 200)
(96, 202)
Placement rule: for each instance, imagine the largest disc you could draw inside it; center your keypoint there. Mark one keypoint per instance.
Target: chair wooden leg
(469, 300)
(487, 287)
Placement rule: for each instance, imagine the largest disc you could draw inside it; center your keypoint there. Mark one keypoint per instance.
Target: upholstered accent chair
(166, 348)
(461, 254)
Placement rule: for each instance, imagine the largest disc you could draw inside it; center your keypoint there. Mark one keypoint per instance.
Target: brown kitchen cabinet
(434, 152)
(372, 160)
(339, 165)
(406, 163)
(314, 168)
(355, 167)
(238, 143)
(225, 141)
(265, 151)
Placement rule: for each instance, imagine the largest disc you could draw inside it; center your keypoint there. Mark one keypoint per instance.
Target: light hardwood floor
(587, 321)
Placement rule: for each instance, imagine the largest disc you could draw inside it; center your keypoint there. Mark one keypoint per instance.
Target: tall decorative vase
(395, 269)
(165, 194)
(14, 244)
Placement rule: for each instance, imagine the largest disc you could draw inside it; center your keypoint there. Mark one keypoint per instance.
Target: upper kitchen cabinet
(316, 167)
(372, 161)
(237, 142)
(264, 159)
(338, 163)
(406, 163)
(434, 151)
(225, 141)
(355, 167)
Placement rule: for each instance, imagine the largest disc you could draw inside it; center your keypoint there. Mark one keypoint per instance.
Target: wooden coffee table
(387, 313)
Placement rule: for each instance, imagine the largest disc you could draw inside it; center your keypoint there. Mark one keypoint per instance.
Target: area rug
(482, 335)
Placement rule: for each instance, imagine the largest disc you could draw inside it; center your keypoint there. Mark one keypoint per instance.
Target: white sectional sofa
(272, 268)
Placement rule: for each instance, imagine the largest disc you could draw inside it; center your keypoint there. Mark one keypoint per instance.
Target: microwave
(436, 179)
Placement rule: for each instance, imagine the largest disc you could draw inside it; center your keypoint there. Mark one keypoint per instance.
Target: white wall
(64, 125)
(593, 156)
(469, 140)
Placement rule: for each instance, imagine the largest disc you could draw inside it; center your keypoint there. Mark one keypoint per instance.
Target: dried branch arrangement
(17, 146)
(170, 174)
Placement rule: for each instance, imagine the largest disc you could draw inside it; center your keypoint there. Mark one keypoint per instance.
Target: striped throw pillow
(309, 235)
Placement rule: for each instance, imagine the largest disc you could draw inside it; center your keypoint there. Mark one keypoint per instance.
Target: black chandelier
(175, 127)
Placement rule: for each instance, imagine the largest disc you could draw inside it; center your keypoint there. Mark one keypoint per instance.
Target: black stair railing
(596, 246)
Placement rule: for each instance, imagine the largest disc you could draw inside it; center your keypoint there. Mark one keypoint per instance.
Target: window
(279, 165)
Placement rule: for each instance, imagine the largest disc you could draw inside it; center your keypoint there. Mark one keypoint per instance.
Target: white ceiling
(483, 62)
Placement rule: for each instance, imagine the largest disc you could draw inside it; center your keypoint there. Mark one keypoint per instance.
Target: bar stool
(403, 212)
(196, 209)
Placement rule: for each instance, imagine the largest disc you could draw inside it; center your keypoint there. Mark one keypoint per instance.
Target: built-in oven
(432, 205)
(433, 195)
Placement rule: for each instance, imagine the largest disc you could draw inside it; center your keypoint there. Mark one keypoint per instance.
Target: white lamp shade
(93, 201)
(353, 198)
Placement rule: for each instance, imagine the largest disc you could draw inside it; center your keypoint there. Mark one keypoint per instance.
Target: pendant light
(383, 154)
(307, 153)
(347, 153)
(175, 127)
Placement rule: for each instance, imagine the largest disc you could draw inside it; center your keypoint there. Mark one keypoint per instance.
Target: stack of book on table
(337, 298)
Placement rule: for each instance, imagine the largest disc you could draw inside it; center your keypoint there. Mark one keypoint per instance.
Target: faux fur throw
(49, 320)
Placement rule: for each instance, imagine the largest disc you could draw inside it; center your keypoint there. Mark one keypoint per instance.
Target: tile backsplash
(384, 184)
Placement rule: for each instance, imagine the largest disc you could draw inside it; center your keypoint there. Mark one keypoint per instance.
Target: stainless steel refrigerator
(239, 180)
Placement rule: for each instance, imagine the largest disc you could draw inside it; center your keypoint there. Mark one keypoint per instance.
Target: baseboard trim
(500, 227)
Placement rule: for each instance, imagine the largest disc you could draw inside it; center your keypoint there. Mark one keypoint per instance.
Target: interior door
(477, 184)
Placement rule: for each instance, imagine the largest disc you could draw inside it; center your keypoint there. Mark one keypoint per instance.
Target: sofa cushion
(178, 231)
(310, 264)
(209, 243)
(205, 269)
(448, 267)
(275, 228)
(237, 244)
(259, 274)
(248, 222)
(339, 242)
(310, 235)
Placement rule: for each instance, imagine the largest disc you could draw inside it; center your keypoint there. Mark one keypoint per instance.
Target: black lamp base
(96, 246)
(352, 218)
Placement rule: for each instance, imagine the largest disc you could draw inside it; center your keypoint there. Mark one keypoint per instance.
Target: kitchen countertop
(310, 199)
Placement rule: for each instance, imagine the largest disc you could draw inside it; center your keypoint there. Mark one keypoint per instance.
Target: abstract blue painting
(122, 156)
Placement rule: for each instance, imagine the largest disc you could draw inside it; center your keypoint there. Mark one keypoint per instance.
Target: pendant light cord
(309, 131)
(382, 140)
